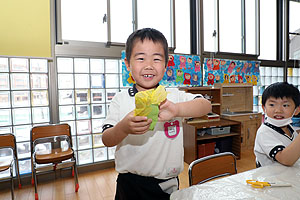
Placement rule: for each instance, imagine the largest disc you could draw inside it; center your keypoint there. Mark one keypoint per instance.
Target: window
(83, 102)
(112, 21)
(24, 101)
(294, 32)
(268, 30)
(230, 26)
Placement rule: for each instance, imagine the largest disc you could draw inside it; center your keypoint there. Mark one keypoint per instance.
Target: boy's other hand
(167, 110)
(135, 124)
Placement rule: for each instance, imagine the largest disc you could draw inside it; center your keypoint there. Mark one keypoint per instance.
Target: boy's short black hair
(146, 33)
(280, 90)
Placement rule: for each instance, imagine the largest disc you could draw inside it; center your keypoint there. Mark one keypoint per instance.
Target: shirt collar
(132, 91)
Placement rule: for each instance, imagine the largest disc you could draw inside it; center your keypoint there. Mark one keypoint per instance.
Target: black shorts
(132, 186)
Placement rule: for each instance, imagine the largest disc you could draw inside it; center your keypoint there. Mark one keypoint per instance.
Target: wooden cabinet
(250, 122)
(210, 93)
(191, 139)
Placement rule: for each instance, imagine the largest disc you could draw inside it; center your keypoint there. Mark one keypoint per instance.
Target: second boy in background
(149, 162)
(276, 140)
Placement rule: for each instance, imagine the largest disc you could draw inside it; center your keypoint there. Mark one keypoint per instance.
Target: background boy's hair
(146, 33)
(280, 90)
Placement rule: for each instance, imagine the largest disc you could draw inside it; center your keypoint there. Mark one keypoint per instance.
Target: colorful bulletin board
(231, 71)
(182, 70)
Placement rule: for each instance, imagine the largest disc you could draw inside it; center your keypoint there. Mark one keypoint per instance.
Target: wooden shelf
(208, 137)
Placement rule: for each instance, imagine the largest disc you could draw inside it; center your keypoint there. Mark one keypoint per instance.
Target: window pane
(110, 93)
(64, 65)
(5, 117)
(39, 81)
(98, 140)
(267, 26)
(21, 116)
(25, 166)
(294, 28)
(121, 23)
(38, 65)
(83, 127)
(40, 114)
(97, 65)
(4, 99)
(85, 157)
(81, 65)
(82, 96)
(230, 26)
(83, 112)
(98, 110)
(4, 82)
(209, 23)
(4, 130)
(66, 113)
(159, 21)
(23, 150)
(98, 96)
(97, 125)
(100, 154)
(19, 65)
(19, 81)
(72, 125)
(86, 26)
(66, 97)
(111, 66)
(182, 27)
(250, 27)
(22, 133)
(82, 81)
(40, 98)
(97, 81)
(65, 81)
(112, 80)
(3, 64)
(84, 142)
(20, 98)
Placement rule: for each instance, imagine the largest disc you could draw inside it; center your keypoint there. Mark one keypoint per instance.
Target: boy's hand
(135, 124)
(167, 110)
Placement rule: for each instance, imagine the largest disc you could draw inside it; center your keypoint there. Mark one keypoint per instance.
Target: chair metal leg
(35, 183)
(12, 184)
(32, 175)
(76, 178)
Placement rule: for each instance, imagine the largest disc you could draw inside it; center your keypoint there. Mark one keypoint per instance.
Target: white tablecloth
(235, 186)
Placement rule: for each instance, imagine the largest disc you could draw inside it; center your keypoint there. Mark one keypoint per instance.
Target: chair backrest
(50, 130)
(211, 167)
(8, 140)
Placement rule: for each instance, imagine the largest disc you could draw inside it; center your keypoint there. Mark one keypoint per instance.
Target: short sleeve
(113, 114)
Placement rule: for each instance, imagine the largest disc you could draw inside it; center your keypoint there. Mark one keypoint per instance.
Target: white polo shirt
(269, 142)
(157, 153)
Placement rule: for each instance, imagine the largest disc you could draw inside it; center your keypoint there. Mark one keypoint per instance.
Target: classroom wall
(25, 28)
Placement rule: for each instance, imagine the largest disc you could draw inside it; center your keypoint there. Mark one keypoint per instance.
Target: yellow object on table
(147, 103)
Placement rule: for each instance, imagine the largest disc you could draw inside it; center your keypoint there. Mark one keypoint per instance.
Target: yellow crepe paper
(147, 102)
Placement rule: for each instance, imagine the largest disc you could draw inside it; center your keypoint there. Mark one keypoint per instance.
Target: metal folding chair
(211, 167)
(7, 142)
(51, 149)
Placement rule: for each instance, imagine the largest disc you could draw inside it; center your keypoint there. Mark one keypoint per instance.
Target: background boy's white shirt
(266, 139)
(153, 153)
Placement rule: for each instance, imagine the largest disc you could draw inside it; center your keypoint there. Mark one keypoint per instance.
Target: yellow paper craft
(147, 102)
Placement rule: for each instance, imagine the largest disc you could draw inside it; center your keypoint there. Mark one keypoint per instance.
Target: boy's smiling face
(280, 108)
(147, 64)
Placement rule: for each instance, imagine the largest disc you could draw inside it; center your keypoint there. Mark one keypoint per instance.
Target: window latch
(104, 18)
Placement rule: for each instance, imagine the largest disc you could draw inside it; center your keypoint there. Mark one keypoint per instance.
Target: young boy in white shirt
(148, 162)
(276, 139)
